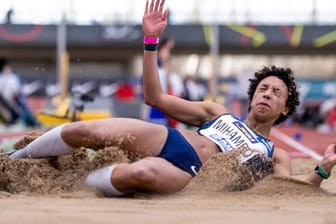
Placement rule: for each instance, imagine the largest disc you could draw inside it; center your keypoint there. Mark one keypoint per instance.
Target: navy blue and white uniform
(227, 131)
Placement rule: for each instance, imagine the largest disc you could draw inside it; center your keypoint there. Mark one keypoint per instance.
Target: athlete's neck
(259, 127)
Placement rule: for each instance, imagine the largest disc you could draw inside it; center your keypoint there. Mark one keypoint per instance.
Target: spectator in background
(13, 99)
(9, 15)
(328, 113)
(195, 90)
(242, 84)
(331, 119)
(9, 91)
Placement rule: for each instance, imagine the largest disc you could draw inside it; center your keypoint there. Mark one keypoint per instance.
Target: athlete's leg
(129, 134)
(152, 174)
(49, 144)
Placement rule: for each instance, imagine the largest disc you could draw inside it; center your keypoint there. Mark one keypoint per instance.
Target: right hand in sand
(154, 20)
(329, 159)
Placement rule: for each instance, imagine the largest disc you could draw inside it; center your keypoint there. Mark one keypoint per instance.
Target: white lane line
(297, 145)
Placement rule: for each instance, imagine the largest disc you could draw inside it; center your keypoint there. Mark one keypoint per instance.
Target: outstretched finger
(146, 7)
(151, 8)
(157, 3)
(161, 6)
(165, 15)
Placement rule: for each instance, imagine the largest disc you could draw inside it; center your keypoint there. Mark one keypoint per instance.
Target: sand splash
(65, 174)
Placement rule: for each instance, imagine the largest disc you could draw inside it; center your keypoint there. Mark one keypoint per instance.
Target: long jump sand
(52, 191)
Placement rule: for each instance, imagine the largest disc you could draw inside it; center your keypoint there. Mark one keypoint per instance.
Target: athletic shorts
(180, 153)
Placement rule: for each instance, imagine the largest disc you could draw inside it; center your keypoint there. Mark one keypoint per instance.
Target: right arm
(192, 113)
(282, 165)
(327, 164)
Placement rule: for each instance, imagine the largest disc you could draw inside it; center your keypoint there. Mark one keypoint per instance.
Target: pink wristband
(151, 40)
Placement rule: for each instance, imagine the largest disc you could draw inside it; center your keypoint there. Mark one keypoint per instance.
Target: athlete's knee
(130, 177)
(144, 175)
(78, 130)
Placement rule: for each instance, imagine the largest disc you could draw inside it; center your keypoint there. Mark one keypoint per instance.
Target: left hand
(154, 20)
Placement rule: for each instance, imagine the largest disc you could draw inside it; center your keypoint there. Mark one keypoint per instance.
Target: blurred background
(61, 48)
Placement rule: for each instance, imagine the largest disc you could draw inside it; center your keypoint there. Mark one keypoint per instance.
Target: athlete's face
(269, 100)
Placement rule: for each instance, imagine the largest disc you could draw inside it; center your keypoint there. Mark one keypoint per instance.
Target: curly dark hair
(286, 75)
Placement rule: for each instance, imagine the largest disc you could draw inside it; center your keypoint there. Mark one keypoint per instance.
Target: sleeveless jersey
(228, 132)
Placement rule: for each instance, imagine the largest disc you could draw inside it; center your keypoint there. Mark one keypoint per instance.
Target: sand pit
(51, 190)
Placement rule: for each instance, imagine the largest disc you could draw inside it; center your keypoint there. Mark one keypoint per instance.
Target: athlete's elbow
(151, 99)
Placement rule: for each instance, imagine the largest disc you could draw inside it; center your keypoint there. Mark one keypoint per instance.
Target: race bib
(228, 133)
